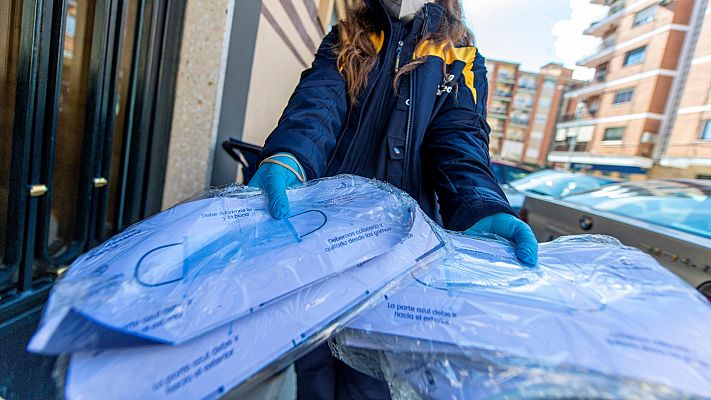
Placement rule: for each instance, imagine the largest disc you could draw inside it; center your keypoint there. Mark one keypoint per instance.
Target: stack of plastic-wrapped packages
(594, 320)
(214, 296)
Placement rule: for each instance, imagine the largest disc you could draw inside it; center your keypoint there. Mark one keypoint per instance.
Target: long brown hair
(356, 53)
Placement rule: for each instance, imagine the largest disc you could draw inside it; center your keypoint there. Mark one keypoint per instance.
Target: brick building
(523, 108)
(686, 151)
(623, 122)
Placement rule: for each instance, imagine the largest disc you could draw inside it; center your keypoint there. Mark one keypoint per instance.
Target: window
(623, 96)
(706, 130)
(645, 16)
(615, 133)
(635, 56)
(674, 205)
(549, 86)
(601, 72)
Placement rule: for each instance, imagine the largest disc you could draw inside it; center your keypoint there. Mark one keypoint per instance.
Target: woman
(397, 93)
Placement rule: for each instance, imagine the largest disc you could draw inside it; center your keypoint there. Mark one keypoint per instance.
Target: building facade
(113, 110)
(522, 110)
(621, 123)
(686, 151)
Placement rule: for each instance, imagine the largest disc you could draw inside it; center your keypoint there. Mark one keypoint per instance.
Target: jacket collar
(431, 14)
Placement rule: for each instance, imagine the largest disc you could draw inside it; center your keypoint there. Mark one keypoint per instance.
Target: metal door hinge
(100, 182)
(37, 190)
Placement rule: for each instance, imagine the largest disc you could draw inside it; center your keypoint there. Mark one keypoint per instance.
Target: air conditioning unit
(649, 137)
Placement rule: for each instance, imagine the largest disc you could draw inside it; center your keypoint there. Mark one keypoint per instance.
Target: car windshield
(508, 173)
(677, 205)
(555, 183)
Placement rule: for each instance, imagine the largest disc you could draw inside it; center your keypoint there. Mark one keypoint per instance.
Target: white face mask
(403, 9)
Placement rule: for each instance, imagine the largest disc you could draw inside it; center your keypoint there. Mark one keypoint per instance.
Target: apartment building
(522, 109)
(502, 81)
(686, 149)
(616, 123)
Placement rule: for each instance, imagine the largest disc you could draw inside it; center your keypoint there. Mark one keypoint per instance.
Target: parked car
(551, 183)
(669, 219)
(506, 172)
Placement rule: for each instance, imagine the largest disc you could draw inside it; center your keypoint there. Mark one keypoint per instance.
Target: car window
(673, 205)
(513, 174)
(556, 184)
(507, 173)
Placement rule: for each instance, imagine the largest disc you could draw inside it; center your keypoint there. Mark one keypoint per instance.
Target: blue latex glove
(509, 227)
(275, 174)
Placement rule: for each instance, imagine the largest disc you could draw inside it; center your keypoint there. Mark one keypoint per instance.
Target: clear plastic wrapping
(595, 319)
(255, 293)
(246, 351)
(206, 262)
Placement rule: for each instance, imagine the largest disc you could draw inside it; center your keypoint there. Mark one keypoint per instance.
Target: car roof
(511, 164)
(703, 185)
(570, 173)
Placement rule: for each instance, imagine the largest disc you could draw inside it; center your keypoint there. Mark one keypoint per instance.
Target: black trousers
(321, 376)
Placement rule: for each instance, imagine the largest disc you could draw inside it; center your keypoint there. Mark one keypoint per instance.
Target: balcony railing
(605, 48)
(568, 117)
(564, 146)
(523, 104)
(524, 86)
(607, 42)
(502, 76)
(616, 10)
(601, 75)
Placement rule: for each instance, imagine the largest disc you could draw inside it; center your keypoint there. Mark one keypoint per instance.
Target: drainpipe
(679, 82)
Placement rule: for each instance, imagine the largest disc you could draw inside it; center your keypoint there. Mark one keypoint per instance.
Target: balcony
(496, 133)
(502, 95)
(523, 105)
(603, 53)
(521, 122)
(506, 78)
(516, 135)
(608, 20)
(600, 75)
(565, 147)
(571, 117)
(527, 88)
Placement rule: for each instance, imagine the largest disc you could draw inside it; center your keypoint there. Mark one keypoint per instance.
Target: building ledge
(685, 162)
(617, 118)
(598, 57)
(502, 98)
(598, 28)
(589, 158)
(596, 87)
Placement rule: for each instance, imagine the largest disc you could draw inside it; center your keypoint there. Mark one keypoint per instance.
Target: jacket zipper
(406, 167)
(365, 100)
(411, 106)
(398, 51)
(407, 132)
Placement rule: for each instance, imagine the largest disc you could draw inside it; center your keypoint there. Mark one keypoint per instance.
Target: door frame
(156, 50)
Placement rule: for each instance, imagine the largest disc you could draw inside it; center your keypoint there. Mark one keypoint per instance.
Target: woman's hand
(509, 227)
(275, 174)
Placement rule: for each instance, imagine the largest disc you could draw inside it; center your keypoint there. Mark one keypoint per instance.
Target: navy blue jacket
(434, 145)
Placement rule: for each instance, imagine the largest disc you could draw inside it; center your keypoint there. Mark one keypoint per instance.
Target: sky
(534, 32)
